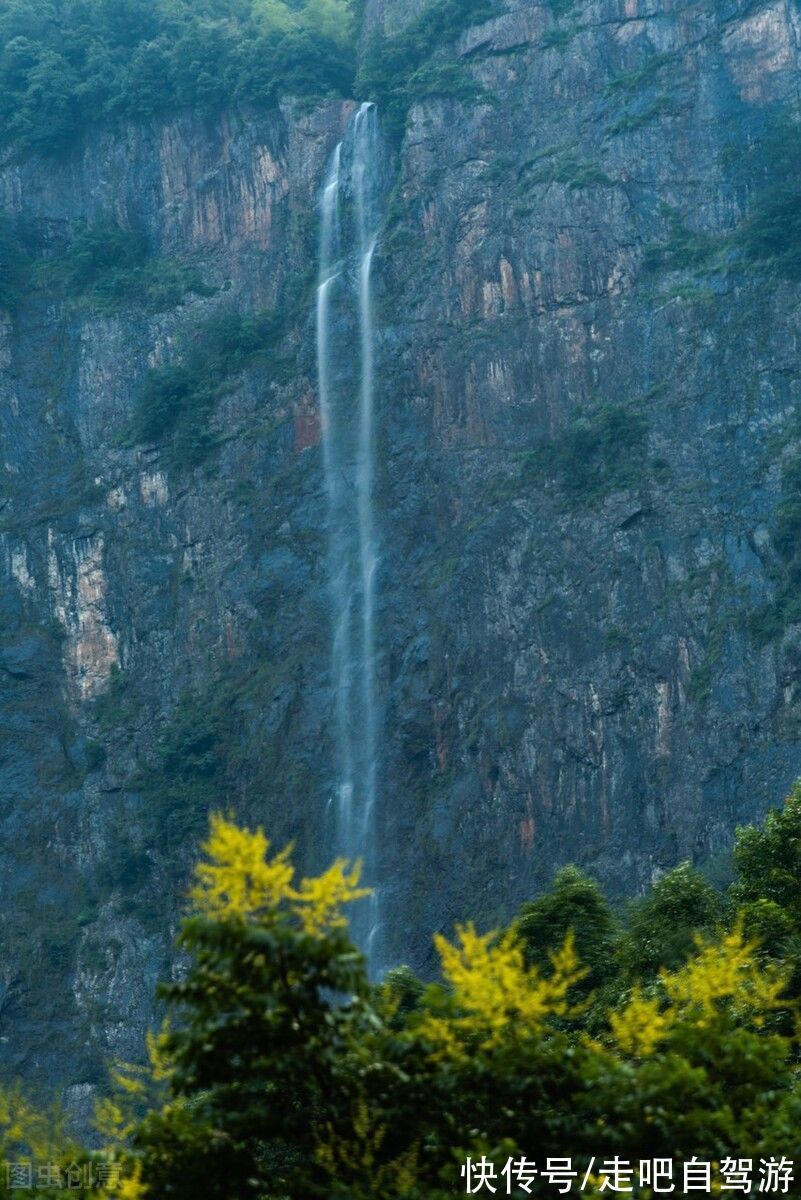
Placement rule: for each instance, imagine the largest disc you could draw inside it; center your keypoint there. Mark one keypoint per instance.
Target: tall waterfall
(350, 224)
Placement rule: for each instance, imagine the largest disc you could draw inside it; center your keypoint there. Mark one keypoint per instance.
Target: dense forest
(580, 1041)
(66, 65)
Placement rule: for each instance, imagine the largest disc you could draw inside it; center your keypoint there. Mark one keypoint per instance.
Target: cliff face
(585, 401)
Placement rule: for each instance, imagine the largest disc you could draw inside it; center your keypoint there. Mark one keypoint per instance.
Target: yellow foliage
(358, 1156)
(725, 971)
(639, 1027)
(24, 1128)
(495, 994)
(29, 1135)
(137, 1087)
(130, 1188)
(240, 882)
(111, 1120)
(320, 900)
(158, 1054)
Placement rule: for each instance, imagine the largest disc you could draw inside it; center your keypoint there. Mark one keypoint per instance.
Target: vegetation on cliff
(67, 64)
(408, 66)
(671, 1032)
(177, 400)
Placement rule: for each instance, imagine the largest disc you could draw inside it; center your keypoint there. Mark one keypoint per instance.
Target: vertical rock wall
(581, 446)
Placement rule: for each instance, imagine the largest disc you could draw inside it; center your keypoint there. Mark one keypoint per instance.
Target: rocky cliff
(587, 389)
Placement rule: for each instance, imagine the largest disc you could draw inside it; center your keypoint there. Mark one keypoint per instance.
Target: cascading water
(350, 224)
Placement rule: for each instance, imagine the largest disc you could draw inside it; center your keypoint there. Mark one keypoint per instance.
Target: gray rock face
(579, 473)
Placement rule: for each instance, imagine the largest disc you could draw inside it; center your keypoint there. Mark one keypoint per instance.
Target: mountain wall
(587, 390)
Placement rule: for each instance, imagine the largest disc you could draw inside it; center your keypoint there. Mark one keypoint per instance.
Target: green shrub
(118, 706)
(631, 82)
(769, 622)
(684, 250)
(101, 251)
(177, 401)
(572, 171)
(599, 453)
(109, 265)
(558, 39)
(769, 236)
(187, 777)
(395, 71)
(771, 233)
(595, 454)
(629, 122)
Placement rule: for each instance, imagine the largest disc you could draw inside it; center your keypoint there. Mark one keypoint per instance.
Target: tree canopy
(284, 1074)
(68, 64)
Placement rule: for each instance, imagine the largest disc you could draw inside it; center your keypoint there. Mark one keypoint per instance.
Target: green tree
(574, 904)
(263, 1025)
(768, 859)
(766, 890)
(662, 926)
(290, 1077)
(284, 1075)
(66, 65)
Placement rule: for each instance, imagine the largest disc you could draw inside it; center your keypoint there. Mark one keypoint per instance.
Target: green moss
(631, 82)
(559, 39)
(578, 174)
(443, 571)
(447, 80)
(629, 122)
(556, 164)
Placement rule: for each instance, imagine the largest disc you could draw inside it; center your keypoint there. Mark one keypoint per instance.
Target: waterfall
(364, 164)
(338, 567)
(350, 224)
